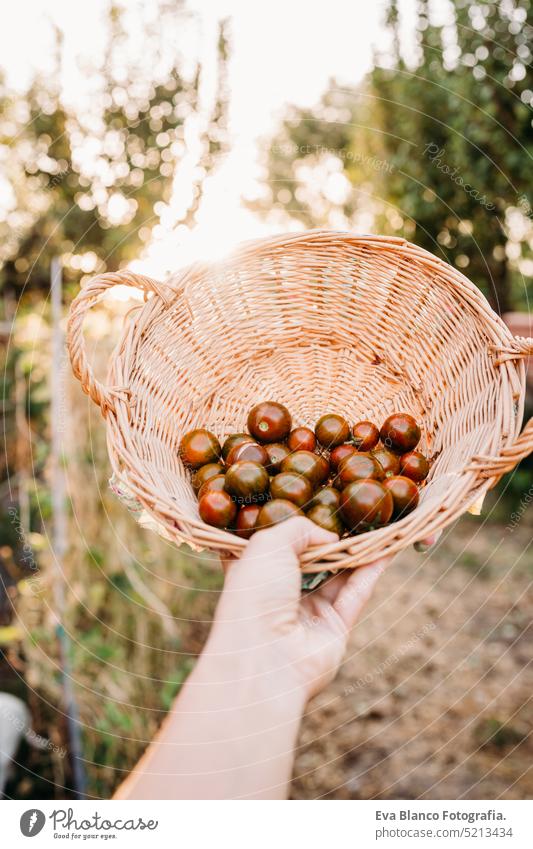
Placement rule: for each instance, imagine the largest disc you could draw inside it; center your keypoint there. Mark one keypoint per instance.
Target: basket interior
(349, 329)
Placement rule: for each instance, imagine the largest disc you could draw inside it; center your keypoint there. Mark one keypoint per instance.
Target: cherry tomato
(216, 484)
(365, 435)
(389, 462)
(404, 494)
(292, 487)
(323, 468)
(247, 482)
(269, 422)
(199, 447)
(247, 520)
(327, 496)
(217, 508)
(400, 433)
(248, 451)
(358, 467)
(365, 505)
(276, 454)
(204, 473)
(305, 463)
(340, 453)
(232, 440)
(327, 518)
(332, 430)
(301, 439)
(276, 511)
(414, 465)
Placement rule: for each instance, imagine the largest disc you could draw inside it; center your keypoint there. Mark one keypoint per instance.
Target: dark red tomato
(323, 468)
(400, 433)
(309, 465)
(276, 454)
(204, 473)
(340, 453)
(217, 508)
(269, 422)
(414, 465)
(247, 482)
(216, 484)
(301, 439)
(404, 494)
(292, 487)
(327, 518)
(199, 447)
(389, 462)
(327, 496)
(232, 440)
(248, 451)
(365, 436)
(365, 505)
(276, 511)
(358, 467)
(247, 520)
(332, 430)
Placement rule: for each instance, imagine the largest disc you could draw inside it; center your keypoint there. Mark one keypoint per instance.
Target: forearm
(230, 734)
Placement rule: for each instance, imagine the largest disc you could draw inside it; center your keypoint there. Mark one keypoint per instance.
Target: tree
(90, 187)
(434, 148)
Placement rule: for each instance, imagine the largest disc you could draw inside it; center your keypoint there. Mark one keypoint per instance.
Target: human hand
(296, 641)
(233, 728)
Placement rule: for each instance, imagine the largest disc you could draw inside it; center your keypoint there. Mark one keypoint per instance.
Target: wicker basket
(320, 321)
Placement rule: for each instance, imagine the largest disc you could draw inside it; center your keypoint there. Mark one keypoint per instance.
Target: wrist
(253, 674)
(236, 721)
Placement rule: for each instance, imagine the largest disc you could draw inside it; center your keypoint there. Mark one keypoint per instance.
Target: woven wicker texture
(322, 322)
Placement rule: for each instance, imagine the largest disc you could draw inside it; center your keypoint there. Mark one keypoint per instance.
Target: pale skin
(232, 730)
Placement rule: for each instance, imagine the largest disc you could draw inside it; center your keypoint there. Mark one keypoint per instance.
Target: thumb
(272, 555)
(294, 535)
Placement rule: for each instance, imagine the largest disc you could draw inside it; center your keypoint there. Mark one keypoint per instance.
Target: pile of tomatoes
(345, 479)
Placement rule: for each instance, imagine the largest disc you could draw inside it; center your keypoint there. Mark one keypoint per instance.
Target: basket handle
(521, 347)
(489, 467)
(88, 297)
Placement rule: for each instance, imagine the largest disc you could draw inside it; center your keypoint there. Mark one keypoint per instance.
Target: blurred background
(150, 134)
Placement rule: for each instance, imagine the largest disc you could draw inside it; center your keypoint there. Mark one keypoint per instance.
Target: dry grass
(137, 610)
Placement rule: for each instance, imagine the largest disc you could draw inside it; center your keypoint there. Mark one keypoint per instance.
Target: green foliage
(458, 136)
(172, 686)
(434, 148)
(90, 187)
(493, 732)
(114, 718)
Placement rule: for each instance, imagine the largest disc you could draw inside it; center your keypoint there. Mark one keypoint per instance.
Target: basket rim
(187, 275)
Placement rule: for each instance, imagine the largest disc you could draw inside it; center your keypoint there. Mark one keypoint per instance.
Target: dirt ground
(434, 698)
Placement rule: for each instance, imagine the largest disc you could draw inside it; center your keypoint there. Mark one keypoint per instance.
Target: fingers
(296, 534)
(331, 587)
(284, 543)
(226, 563)
(357, 590)
(424, 545)
(272, 555)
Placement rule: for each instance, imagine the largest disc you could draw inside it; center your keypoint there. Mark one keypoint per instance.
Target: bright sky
(283, 51)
